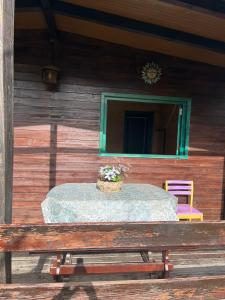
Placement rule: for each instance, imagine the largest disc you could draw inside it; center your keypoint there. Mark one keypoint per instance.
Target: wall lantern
(50, 75)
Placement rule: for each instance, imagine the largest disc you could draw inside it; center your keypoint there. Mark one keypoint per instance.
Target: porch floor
(35, 268)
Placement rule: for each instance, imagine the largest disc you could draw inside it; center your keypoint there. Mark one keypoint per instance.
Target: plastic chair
(184, 188)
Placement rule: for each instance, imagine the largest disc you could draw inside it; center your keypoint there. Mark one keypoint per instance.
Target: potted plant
(111, 178)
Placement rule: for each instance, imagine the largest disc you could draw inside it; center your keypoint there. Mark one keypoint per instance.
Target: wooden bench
(115, 237)
(206, 288)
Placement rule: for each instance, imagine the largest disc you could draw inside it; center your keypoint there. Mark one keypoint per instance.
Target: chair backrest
(181, 188)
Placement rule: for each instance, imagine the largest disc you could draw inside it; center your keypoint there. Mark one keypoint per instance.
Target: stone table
(83, 202)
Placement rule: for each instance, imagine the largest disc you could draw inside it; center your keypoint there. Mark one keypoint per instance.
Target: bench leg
(60, 259)
(146, 258)
(68, 259)
(165, 260)
(63, 267)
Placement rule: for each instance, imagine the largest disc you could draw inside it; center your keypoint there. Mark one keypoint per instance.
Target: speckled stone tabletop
(83, 202)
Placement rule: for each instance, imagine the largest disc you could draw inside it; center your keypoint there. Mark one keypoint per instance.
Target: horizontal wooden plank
(210, 287)
(115, 236)
(91, 269)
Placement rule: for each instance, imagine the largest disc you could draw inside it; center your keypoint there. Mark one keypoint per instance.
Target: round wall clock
(151, 73)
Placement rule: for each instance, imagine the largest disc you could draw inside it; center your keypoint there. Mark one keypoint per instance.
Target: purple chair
(184, 188)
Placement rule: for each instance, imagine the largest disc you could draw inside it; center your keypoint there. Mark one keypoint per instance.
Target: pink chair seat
(183, 209)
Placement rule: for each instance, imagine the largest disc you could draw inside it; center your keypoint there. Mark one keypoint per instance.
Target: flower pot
(107, 186)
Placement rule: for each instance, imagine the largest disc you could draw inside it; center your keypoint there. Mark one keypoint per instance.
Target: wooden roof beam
(125, 23)
(48, 12)
(95, 23)
(77, 11)
(211, 5)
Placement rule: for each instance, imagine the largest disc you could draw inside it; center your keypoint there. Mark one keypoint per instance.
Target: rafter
(48, 12)
(213, 5)
(136, 26)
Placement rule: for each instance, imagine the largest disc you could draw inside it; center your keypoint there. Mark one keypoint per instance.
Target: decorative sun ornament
(151, 73)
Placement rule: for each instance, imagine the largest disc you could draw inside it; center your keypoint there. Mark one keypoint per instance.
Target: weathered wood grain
(112, 236)
(208, 288)
(90, 67)
(6, 123)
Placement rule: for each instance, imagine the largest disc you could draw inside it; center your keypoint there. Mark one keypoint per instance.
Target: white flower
(108, 177)
(111, 173)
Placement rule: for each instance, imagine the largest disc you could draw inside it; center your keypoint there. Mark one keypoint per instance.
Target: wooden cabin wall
(57, 132)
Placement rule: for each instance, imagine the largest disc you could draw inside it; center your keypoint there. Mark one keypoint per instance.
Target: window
(144, 126)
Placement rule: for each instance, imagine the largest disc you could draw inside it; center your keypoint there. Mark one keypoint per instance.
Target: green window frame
(183, 122)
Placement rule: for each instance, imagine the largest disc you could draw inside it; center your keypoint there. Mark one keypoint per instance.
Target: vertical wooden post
(7, 8)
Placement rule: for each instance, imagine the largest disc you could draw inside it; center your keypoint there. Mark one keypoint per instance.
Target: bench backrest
(113, 236)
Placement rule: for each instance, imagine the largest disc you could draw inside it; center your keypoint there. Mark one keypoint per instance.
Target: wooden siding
(57, 133)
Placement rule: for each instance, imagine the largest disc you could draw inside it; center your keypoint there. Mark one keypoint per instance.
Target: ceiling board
(163, 13)
(139, 41)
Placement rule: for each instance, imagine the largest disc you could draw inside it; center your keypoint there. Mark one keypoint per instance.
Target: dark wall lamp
(50, 75)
